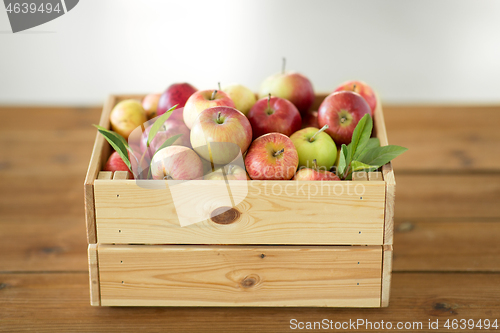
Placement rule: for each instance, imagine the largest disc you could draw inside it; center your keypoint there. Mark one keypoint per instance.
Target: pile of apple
(195, 134)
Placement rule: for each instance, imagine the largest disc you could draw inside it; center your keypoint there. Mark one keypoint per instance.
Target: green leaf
(342, 160)
(357, 166)
(159, 123)
(361, 135)
(372, 143)
(381, 155)
(117, 142)
(165, 144)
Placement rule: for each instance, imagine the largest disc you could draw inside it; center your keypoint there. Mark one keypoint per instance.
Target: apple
(274, 114)
(127, 116)
(363, 89)
(314, 174)
(314, 144)
(150, 105)
(115, 163)
(229, 172)
(220, 133)
(168, 130)
(201, 100)
(242, 97)
(175, 94)
(292, 86)
(341, 111)
(176, 163)
(272, 157)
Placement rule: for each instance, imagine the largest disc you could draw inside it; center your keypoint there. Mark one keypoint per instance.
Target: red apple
(168, 130)
(202, 100)
(274, 114)
(229, 172)
(314, 174)
(292, 86)
(220, 133)
(115, 163)
(341, 111)
(363, 89)
(176, 163)
(177, 93)
(272, 157)
(150, 105)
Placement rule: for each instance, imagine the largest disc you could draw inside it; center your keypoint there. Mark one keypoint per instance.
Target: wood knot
(443, 309)
(249, 281)
(224, 215)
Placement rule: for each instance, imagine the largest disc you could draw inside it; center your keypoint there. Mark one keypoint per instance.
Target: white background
(410, 52)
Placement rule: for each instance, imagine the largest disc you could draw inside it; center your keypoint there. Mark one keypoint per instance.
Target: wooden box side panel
(265, 212)
(240, 276)
(386, 275)
(95, 295)
(100, 151)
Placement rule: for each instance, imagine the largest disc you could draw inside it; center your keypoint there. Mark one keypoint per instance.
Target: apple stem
(343, 119)
(283, 65)
(218, 118)
(314, 164)
(279, 152)
(218, 83)
(354, 87)
(319, 131)
(213, 95)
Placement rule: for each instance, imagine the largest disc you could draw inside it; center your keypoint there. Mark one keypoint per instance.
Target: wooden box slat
(127, 213)
(240, 275)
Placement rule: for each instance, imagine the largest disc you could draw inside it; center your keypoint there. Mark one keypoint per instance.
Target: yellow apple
(242, 97)
(127, 116)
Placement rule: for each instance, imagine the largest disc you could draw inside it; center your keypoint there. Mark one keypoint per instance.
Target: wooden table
(446, 244)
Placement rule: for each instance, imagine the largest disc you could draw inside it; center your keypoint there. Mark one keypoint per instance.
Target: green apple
(242, 97)
(314, 144)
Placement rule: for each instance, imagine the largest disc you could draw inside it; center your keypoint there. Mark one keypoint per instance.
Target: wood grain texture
(95, 294)
(444, 138)
(270, 212)
(387, 256)
(453, 245)
(59, 302)
(390, 201)
(105, 175)
(359, 176)
(99, 153)
(448, 196)
(120, 175)
(180, 275)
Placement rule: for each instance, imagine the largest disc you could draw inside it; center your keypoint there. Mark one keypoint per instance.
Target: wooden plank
(375, 175)
(95, 165)
(59, 302)
(266, 212)
(95, 293)
(443, 138)
(43, 243)
(121, 175)
(387, 256)
(105, 175)
(448, 196)
(240, 276)
(390, 201)
(359, 176)
(447, 245)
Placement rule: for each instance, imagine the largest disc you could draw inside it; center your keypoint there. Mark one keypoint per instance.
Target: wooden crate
(284, 243)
